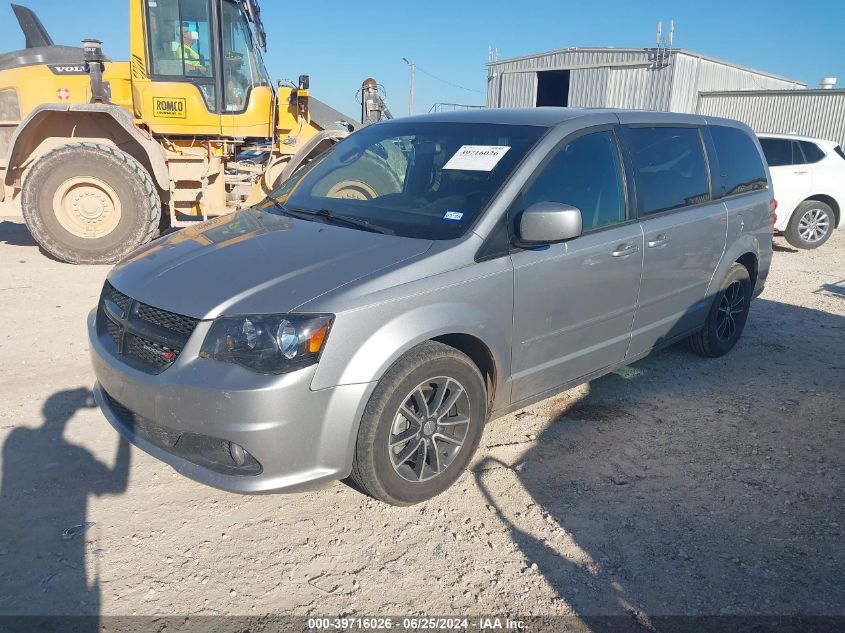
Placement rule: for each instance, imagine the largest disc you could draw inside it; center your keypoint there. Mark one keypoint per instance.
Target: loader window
(180, 44)
(242, 65)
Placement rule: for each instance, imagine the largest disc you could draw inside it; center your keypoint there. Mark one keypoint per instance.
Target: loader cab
(197, 68)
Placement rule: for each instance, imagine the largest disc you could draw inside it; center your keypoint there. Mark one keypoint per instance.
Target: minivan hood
(255, 262)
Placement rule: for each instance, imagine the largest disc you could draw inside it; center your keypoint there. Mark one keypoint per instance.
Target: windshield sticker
(477, 157)
(455, 216)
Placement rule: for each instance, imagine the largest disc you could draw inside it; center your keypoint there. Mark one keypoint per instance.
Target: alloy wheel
(814, 225)
(731, 307)
(429, 429)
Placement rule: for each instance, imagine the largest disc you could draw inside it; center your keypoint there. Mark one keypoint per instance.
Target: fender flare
(368, 360)
(285, 165)
(748, 243)
(145, 146)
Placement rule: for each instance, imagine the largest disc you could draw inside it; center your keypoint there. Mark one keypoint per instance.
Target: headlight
(270, 344)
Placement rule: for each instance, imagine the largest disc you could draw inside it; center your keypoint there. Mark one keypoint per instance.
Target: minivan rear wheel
(811, 225)
(421, 426)
(727, 315)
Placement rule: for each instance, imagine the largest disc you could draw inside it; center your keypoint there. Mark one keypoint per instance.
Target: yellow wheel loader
(104, 155)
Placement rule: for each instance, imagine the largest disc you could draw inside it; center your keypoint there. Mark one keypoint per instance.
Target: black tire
(806, 211)
(714, 340)
(373, 472)
(140, 205)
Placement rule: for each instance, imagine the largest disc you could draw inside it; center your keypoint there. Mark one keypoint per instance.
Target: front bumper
(301, 438)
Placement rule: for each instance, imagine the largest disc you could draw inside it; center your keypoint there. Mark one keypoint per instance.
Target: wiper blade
(278, 204)
(329, 216)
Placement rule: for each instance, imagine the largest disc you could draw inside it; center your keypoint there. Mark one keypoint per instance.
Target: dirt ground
(676, 486)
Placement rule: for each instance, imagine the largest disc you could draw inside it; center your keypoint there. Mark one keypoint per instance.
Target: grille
(118, 297)
(148, 338)
(150, 352)
(114, 331)
(167, 320)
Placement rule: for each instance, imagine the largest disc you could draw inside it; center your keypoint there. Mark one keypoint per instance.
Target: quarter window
(670, 167)
(812, 152)
(739, 161)
(586, 174)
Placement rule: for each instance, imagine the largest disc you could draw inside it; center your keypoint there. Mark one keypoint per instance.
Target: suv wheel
(810, 225)
(727, 315)
(421, 426)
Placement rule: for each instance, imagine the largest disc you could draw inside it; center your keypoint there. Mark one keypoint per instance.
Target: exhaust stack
(34, 31)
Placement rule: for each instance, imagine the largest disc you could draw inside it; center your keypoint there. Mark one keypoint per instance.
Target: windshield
(422, 180)
(243, 66)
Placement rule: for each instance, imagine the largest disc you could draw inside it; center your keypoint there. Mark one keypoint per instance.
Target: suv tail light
(774, 213)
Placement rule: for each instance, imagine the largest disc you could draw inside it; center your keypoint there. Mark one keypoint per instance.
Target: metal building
(664, 79)
(640, 78)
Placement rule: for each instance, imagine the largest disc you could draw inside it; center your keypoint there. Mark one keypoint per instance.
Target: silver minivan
(424, 276)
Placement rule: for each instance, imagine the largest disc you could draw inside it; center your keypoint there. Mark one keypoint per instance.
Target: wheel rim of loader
(87, 207)
(352, 190)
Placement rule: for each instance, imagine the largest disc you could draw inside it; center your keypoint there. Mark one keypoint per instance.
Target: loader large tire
(87, 203)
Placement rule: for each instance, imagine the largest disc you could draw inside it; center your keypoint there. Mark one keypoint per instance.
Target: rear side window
(781, 152)
(739, 161)
(586, 174)
(812, 152)
(670, 167)
(838, 150)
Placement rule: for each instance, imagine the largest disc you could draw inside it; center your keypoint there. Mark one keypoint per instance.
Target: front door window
(180, 44)
(587, 174)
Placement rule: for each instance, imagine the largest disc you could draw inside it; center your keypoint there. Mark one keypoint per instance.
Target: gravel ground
(676, 486)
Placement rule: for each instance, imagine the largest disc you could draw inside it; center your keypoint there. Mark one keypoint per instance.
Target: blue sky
(340, 44)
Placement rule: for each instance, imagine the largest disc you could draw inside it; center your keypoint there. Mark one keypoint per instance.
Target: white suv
(808, 175)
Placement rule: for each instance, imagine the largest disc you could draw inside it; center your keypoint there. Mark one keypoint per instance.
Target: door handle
(623, 250)
(660, 240)
(801, 173)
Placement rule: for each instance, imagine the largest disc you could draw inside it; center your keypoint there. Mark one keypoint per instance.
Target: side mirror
(548, 222)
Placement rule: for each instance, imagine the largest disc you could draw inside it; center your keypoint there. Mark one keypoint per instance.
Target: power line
(448, 83)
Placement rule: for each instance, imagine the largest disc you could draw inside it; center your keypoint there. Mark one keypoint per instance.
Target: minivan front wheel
(727, 316)
(421, 426)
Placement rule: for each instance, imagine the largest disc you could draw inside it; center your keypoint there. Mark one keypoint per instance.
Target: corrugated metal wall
(588, 87)
(639, 88)
(819, 113)
(684, 83)
(628, 78)
(693, 75)
(597, 75)
(623, 78)
(516, 90)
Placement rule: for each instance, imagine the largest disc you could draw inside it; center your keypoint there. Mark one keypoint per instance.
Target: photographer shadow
(45, 537)
(675, 487)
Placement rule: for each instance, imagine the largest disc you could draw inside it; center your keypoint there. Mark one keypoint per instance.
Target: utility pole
(411, 65)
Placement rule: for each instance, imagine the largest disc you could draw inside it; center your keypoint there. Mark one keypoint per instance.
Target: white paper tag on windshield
(477, 157)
